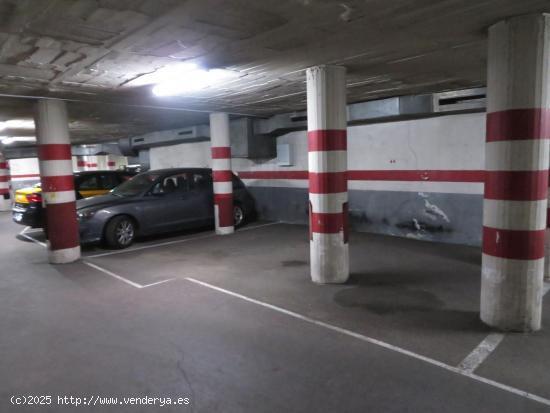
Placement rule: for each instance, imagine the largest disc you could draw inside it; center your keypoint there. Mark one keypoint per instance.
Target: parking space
(258, 206)
(244, 307)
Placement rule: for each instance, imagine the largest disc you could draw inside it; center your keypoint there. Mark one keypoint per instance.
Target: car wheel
(238, 215)
(120, 232)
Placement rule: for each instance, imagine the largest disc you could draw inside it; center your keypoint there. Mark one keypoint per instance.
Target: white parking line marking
(33, 239)
(27, 230)
(379, 343)
(478, 355)
(24, 233)
(112, 274)
(125, 280)
(157, 283)
(209, 235)
(35, 231)
(481, 352)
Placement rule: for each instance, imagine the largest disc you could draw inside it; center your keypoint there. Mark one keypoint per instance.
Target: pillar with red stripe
(221, 173)
(56, 175)
(516, 177)
(547, 240)
(327, 165)
(5, 203)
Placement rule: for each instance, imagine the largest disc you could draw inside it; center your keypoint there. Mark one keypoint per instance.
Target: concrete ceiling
(95, 50)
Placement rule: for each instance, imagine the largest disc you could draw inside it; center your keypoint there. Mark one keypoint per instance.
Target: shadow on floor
(393, 296)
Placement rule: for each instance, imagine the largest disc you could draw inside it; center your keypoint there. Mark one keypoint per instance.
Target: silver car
(154, 202)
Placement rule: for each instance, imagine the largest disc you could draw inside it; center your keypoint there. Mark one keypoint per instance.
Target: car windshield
(136, 185)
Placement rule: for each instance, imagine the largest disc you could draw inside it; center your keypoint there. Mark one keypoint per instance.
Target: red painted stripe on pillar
(57, 183)
(518, 124)
(222, 176)
(4, 178)
(4, 165)
(516, 185)
(327, 140)
(548, 218)
(4, 191)
(221, 152)
(328, 182)
(325, 223)
(518, 245)
(221, 197)
(62, 226)
(54, 152)
(225, 209)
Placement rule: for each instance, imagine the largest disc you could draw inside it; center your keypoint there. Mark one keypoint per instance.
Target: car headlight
(85, 214)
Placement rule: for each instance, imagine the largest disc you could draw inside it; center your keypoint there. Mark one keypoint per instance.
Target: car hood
(102, 201)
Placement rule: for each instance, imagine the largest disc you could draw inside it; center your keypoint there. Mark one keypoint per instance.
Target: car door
(202, 196)
(171, 204)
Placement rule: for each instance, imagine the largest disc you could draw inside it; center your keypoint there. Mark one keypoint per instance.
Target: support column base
(63, 256)
(511, 293)
(329, 259)
(225, 230)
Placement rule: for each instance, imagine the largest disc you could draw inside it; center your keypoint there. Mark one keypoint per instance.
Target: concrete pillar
(516, 182)
(56, 175)
(327, 160)
(5, 202)
(547, 241)
(221, 173)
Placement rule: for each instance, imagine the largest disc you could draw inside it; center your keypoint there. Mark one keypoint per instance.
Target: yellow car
(27, 208)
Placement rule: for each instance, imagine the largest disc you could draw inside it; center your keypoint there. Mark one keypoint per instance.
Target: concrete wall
(99, 162)
(24, 172)
(419, 178)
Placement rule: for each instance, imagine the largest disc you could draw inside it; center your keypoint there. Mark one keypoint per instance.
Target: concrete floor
(267, 339)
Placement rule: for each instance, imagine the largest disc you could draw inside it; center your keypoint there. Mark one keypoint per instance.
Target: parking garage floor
(234, 324)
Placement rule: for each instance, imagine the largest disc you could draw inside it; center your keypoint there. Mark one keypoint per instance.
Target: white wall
(24, 172)
(418, 178)
(448, 143)
(189, 155)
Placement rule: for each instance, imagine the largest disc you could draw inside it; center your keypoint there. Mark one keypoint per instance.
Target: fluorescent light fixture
(7, 140)
(181, 82)
(163, 74)
(20, 124)
(17, 124)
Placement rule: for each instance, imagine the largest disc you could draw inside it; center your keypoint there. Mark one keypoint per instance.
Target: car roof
(169, 171)
(106, 171)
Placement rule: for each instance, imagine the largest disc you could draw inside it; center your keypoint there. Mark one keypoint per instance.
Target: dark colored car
(27, 209)
(155, 202)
